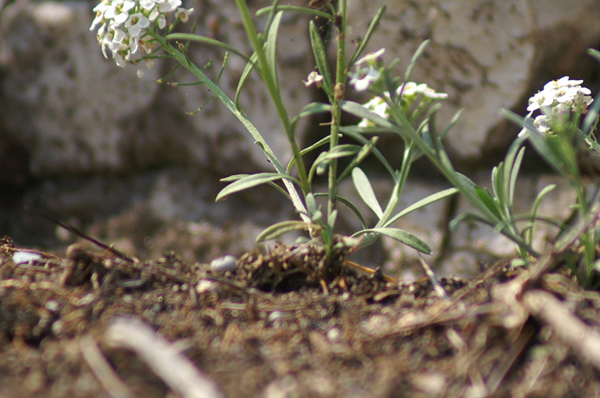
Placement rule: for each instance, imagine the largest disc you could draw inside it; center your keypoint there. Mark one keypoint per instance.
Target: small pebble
(25, 257)
(278, 316)
(205, 286)
(333, 334)
(52, 306)
(223, 264)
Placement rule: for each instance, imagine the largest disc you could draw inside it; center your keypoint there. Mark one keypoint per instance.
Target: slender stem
(336, 110)
(273, 88)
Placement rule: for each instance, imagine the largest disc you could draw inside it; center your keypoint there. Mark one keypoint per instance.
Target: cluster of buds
(408, 92)
(557, 101)
(122, 25)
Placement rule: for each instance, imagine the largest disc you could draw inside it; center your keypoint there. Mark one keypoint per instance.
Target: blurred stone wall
(90, 140)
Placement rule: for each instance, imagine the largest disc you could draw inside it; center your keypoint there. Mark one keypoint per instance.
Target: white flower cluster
(409, 91)
(556, 102)
(367, 71)
(122, 24)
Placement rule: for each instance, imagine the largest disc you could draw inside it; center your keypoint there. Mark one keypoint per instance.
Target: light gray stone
(486, 55)
(223, 264)
(62, 101)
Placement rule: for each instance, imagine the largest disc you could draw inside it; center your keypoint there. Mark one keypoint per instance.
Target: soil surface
(98, 323)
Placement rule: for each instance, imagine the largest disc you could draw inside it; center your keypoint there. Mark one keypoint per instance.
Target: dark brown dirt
(280, 326)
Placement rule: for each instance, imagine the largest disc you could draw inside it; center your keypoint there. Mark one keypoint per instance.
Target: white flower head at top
(367, 70)
(556, 102)
(122, 25)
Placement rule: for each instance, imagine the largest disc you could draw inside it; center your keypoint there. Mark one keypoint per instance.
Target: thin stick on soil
(102, 370)
(570, 329)
(163, 358)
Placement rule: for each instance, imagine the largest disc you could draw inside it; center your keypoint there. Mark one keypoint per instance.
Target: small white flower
(562, 82)
(119, 60)
(541, 124)
(168, 6)
(147, 4)
(313, 78)
(147, 46)
(411, 89)
(371, 58)
(364, 77)
(136, 23)
(183, 14)
(162, 21)
(378, 106)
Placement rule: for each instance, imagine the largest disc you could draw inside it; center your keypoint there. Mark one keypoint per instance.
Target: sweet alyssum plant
(561, 126)
(136, 30)
(143, 30)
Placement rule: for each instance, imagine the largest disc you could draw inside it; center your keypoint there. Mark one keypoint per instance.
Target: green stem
(273, 88)
(336, 110)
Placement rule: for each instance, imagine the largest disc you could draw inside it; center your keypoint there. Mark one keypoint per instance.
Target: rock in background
(90, 140)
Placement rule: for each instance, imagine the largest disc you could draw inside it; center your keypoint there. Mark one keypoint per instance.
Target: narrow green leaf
(331, 220)
(514, 174)
(401, 236)
(337, 152)
(355, 134)
(486, 199)
(251, 181)
(365, 190)
(414, 59)
(207, 41)
(498, 183)
(322, 142)
(311, 204)
(365, 150)
(271, 45)
(320, 54)
(591, 119)
(234, 177)
(314, 108)
(356, 109)
(276, 230)
(467, 217)
(422, 203)
(536, 205)
(594, 53)
(365, 40)
(349, 204)
(244, 78)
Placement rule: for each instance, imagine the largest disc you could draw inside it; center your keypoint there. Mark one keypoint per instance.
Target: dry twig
(567, 326)
(102, 370)
(163, 358)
